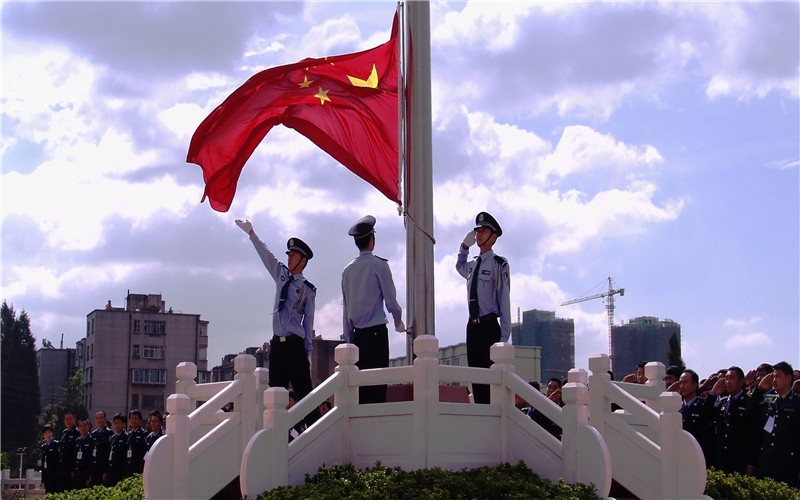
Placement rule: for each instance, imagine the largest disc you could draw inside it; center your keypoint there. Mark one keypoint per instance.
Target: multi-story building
(129, 354)
(642, 339)
(55, 367)
(555, 336)
(527, 359)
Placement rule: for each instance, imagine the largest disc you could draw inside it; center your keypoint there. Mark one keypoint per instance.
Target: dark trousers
(480, 337)
(373, 352)
(288, 364)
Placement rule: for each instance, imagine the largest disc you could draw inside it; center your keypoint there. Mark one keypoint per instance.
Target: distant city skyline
(656, 143)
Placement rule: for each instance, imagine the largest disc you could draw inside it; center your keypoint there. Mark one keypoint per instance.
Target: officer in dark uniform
(366, 285)
(137, 444)
(49, 452)
(118, 448)
(156, 424)
(81, 471)
(66, 452)
(736, 422)
(488, 291)
(780, 446)
(697, 413)
(292, 316)
(101, 437)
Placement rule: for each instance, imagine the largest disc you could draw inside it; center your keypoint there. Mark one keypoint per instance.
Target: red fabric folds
(346, 105)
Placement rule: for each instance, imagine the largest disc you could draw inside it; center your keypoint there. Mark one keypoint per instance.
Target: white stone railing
(29, 486)
(202, 449)
(651, 455)
(425, 432)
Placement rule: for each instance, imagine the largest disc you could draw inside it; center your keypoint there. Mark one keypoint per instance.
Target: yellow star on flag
(322, 95)
(305, 83)
(371, 81)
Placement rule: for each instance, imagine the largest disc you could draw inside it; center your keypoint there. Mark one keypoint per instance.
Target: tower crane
(609, 299)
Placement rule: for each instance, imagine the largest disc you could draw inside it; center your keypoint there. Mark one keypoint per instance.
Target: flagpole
(418, 191)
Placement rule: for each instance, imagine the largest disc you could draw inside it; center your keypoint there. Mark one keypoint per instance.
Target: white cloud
(742, 322)
(748, 340)
(482, 24)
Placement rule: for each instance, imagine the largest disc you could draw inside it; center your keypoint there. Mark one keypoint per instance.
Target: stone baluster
(276, 418)
(670, 421)
(574, 414)
(426, 401)
(186, 373)
(179, 406)
(346, 356)
(502, 354)
(245, 403)
(599, 404)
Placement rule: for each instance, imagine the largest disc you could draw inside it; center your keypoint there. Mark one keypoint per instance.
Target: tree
(674, 352)
(72, 400)
(19, 381)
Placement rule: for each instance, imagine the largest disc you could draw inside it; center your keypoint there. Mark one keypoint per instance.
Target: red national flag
(346, 105)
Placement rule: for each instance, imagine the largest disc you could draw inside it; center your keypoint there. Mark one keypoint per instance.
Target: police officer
(115, 470)
(780, 444)
(137, 444)
(292, 316)
(49, 451)
(736, 422)
(101, 437)
(66, 452)
(81, 471)
(156, 424)
(366, 285)
(488, 288)
(697, 414)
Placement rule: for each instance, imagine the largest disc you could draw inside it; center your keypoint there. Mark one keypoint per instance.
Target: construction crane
(609, 299)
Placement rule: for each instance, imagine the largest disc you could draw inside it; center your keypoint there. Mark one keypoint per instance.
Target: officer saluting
(292, 316)
(488, 287)
(366, 285)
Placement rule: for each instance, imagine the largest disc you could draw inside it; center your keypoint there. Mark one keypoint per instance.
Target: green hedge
(129, 489)
(379, 482)
(722, 486)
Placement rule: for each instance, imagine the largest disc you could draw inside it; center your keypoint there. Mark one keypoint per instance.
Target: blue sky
(656, 143)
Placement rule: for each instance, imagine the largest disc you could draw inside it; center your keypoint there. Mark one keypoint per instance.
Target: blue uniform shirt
(366, 285)
(297, 315)
(494, 286)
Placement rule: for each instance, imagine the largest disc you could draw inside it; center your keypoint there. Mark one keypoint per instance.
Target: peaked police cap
(484, 219)
(300, 247)
(363, 227)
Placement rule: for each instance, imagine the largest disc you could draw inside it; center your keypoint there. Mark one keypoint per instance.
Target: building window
(154, 402)
(134, 401)
(150, 377)
(135, 351)
(91, 351)
(87, 375)
(455, 361)
(92, 325)
(136, 326)
(155, 327)
(153, 352)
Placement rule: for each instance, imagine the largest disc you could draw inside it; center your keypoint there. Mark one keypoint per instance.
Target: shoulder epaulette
(500, 260)
(310, 285)
(385, 260)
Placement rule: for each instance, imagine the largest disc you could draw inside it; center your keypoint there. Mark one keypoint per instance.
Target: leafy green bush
(722, 486)
(129, 489)
(379, 482)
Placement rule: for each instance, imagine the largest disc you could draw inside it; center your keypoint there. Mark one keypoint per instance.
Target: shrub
(129, 489)
(379, 482)
(724, 486)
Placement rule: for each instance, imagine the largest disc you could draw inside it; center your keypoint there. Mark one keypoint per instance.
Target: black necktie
(473, 291)
(285, 292)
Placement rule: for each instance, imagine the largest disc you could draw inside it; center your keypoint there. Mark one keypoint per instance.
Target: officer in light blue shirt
(292, 316)
(488, 289)
(366, 285)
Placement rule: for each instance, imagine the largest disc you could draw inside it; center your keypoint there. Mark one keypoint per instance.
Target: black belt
(483, 319)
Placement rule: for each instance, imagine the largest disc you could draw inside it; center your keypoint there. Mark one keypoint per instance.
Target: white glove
(244, 225)
(400, 327)
(469, 239)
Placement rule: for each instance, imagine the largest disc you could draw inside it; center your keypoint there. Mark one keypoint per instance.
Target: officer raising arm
(292, 316)
(488, 288)
(366, 284)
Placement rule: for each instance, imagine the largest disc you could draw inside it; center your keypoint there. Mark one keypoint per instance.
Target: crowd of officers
(84, 457)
